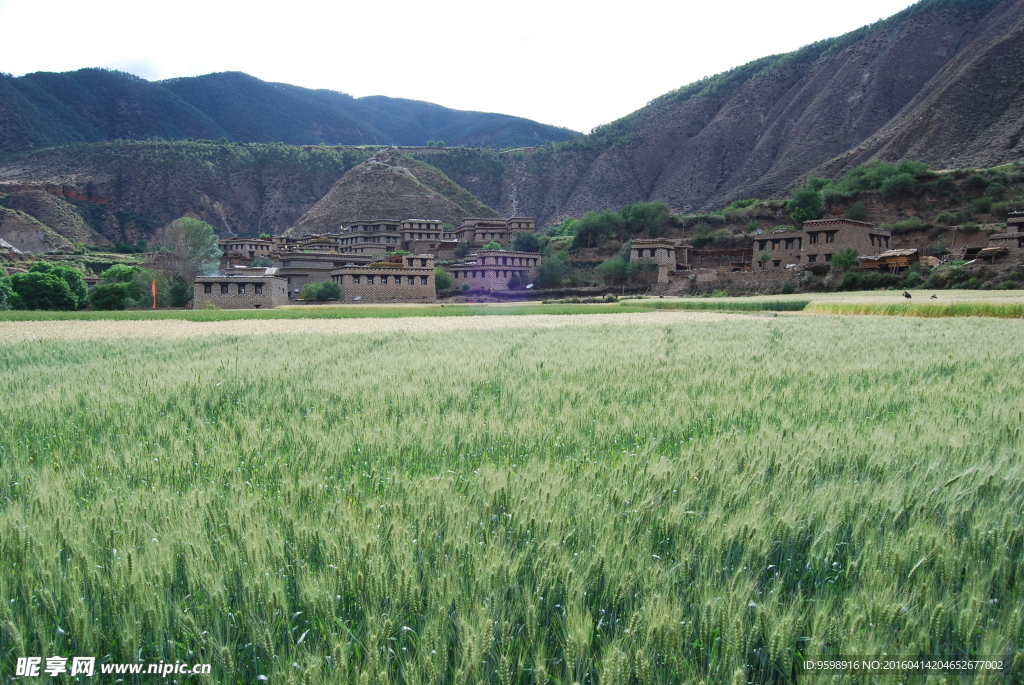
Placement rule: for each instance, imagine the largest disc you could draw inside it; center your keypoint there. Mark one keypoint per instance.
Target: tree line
(189, 248)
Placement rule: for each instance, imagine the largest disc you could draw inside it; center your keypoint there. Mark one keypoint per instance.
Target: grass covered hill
(44, 109)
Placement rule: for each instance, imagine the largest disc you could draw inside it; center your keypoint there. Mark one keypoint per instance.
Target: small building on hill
(1010, 242)
(817, 242)
(892, 261)
(659, 251)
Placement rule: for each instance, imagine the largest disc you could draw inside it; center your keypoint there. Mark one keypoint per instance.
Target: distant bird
(934, 296)
(906, 294)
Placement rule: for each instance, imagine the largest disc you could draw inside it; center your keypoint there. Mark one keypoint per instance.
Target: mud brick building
(422, 229)
(817, 242)
(491, 270)
(245, 249)
(384, 232)
(402, 278)
(300, 268)
(1012, 241)
(241, 290)
(659, 251)
(477, 232)
(423, 236)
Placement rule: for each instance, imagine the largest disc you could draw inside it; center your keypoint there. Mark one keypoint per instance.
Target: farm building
(817, 242)
(241, 290)
(399, 278)
(893, 261)
(495, 270)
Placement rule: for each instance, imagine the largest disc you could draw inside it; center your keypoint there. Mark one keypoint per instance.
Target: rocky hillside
(89, 105)
(393, 186)
(121, 192)
(942, 81)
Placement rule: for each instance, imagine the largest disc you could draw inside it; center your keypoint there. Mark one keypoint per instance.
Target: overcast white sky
(572, 64)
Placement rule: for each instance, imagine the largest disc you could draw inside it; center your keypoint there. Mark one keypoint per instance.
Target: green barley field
(711, 499)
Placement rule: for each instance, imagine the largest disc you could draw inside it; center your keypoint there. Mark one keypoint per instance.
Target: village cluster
(371, 262)
(393, 261)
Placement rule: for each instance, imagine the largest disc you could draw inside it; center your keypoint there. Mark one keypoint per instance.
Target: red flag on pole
(154, 293)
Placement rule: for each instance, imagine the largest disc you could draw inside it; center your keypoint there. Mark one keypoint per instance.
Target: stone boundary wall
(769, 281)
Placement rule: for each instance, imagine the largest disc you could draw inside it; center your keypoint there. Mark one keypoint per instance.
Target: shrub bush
(109, 296)
(898, 185)
(526, 242)
(914, 223)
(39, 290)
(320, 291)
(983, 205)
(442, 281)
(857, 212)
(70, 275)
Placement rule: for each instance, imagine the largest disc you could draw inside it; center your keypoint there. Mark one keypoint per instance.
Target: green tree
(6, 294)
(193, 246)
(461, 250)
(181, 291)
(264, 236)
(646, 216)
(594, 227)
(612, 271)
(526, 242)
(553, 270)
(442, 281)
(806, 203)
(493, 245)
(845, 258)
(38, 290)
(898, 185)
(262, 262)
(109, 296)
(439, 143)
(430, 143)
(764, 256)
(321, 290)
(857, 212)
(72, 276)
(138, 292)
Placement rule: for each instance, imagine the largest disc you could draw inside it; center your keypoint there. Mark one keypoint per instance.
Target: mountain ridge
(43, 109)
(942, 81)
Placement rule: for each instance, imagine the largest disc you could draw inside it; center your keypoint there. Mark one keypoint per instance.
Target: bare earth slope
(393, 186)
(940, 82)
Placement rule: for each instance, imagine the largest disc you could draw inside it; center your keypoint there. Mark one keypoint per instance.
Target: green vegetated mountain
(942, 81)
(390, 185)
(44, 109)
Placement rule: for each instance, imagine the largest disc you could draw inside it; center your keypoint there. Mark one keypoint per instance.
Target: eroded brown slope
(390, 186)
(757, 137)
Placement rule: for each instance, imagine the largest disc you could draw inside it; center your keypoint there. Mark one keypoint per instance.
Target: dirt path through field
(20, 331)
